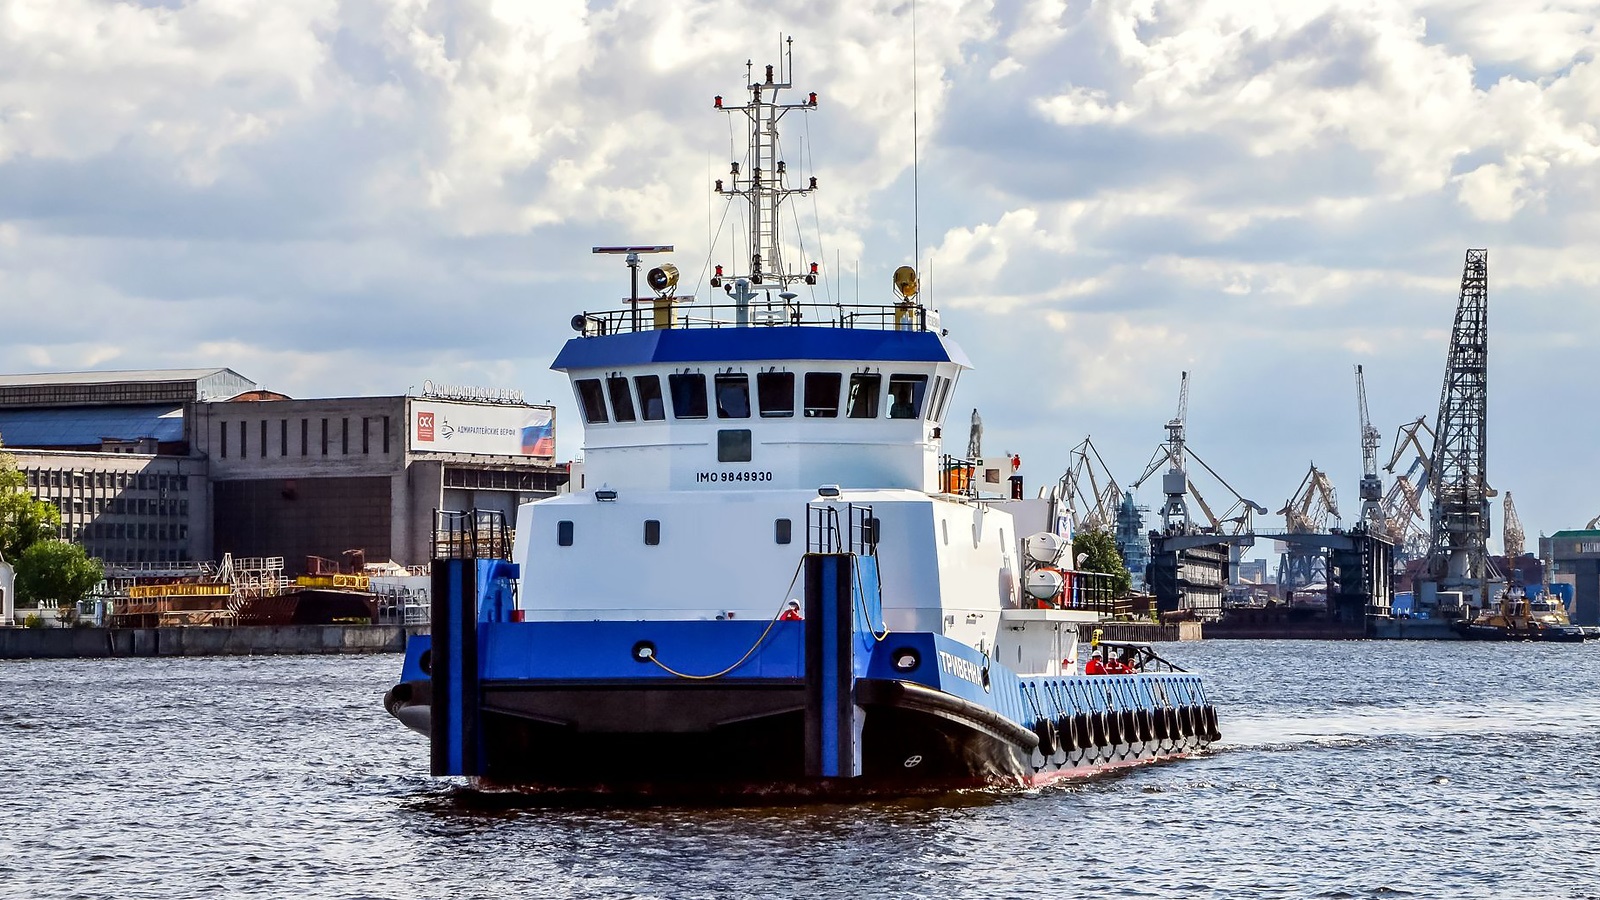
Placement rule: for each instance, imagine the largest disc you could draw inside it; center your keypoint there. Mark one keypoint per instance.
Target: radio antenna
(916, 189)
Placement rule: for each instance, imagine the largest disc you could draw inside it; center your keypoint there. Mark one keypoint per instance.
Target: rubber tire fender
(1066, 731)
(1097, 729)
(1046, 730)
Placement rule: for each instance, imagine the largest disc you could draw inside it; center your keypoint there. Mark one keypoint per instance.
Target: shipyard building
(172, 466)
(1575, 559)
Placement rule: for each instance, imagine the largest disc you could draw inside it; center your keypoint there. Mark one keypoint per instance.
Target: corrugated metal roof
(124, 376)
(89, 425)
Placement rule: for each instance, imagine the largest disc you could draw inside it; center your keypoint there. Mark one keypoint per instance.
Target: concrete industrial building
(1575, 560)
(170, 466)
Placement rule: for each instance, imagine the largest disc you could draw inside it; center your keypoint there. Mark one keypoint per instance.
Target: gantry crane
(1371, 485)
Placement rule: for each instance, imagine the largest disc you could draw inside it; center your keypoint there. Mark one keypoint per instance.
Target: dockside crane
(1403, 511)
(1175, 484)
(1372, 514)
(1459, 524)
(1090, 491)
(1307, 512)
(1511, 530)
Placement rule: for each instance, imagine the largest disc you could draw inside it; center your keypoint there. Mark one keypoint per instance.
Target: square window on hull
(733, 445)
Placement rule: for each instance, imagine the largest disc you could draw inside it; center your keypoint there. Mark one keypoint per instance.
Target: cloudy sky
(352, 197)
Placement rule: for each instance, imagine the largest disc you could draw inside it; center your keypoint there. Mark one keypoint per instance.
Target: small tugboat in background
(1517, 617)
(768, 578)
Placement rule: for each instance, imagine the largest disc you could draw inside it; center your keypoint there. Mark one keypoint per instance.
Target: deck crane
(1511, 531)
(1371, 485)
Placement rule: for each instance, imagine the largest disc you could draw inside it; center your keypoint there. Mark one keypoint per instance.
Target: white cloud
(354, 196)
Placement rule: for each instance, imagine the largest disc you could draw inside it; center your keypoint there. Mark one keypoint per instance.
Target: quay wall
(243, 640)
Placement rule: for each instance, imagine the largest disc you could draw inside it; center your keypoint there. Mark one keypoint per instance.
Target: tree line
(47, 567)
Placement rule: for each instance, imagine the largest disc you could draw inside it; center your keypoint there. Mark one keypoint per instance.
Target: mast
(765, 186)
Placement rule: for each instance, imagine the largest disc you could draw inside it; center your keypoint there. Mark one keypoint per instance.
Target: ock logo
(425, 426)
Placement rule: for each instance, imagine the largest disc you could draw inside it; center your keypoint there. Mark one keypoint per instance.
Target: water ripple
(1349, 770)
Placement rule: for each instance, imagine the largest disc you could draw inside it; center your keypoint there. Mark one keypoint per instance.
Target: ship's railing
(471, 534)
(841, 528)
(958, 476)
(654, 314)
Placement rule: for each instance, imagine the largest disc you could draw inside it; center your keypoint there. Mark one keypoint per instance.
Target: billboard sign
(496, 430)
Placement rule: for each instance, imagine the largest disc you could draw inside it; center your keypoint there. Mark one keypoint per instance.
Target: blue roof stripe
(84, 426)
(735, 344)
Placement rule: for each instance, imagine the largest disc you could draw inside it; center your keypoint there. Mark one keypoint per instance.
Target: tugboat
(770, 578)
(1518, 617)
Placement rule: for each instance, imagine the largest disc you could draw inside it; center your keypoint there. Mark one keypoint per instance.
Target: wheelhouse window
(651, 407)
(592, 399)
(944, 400)
(775, 392)
(822, 394)
(905, 396)
(688, 395)
(733, 396)
(621, 400)
(940, 383)
(864, 389)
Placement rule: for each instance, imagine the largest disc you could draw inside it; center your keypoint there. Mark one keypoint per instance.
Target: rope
(759, 641)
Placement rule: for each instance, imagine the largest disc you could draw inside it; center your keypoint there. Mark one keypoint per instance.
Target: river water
(1348, 770)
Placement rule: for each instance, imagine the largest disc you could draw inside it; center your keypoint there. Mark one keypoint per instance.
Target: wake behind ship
(772, 577)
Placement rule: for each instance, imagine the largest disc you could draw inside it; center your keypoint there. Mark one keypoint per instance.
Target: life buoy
(1046, 730)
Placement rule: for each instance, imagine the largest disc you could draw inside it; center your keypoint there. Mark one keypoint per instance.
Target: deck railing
(668, 312)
